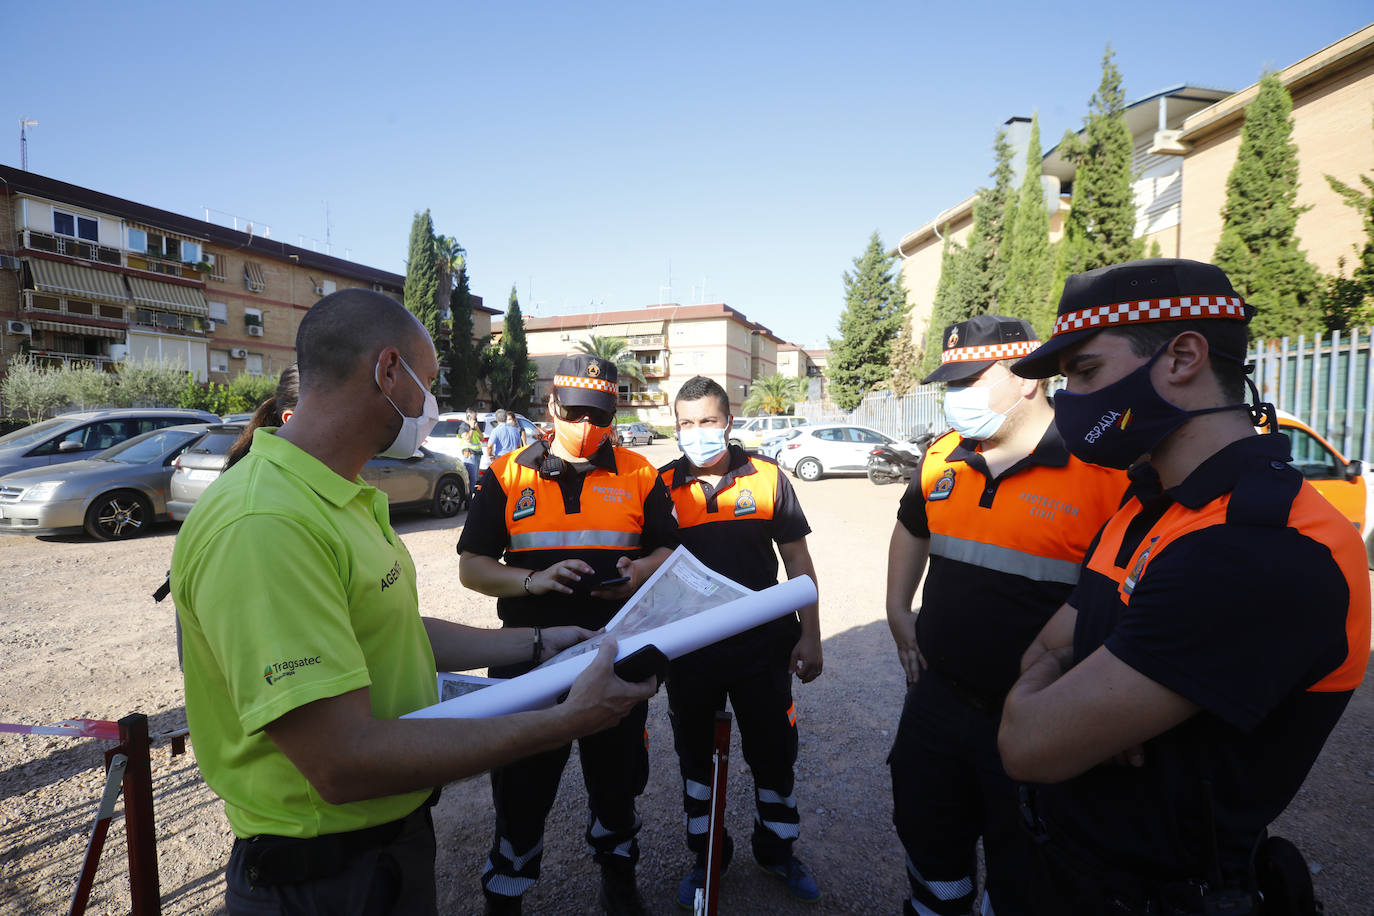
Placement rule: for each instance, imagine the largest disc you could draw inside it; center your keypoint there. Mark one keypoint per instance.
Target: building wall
(1334, 134)
(921, 270)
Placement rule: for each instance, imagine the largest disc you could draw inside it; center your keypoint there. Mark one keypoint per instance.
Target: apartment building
(796, 362)
(92, 278)
(671, 342)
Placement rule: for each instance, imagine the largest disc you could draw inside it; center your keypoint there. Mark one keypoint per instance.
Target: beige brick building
(795, 362)
(671, 342)
(88, 277)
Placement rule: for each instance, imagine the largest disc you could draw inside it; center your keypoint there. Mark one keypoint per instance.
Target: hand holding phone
(643, 664)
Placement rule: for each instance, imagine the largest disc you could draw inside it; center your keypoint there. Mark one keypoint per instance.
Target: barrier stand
(707, 898)
(128, 765)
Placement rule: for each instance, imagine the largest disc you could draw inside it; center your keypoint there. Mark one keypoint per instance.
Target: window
(138, 240)
(216, 265)
(112, 311)
(46, 303)
(834, 434)
(219, 312)
(252, 317)
(190, 252)
(81, 227)
(1312, 458)
(252, 364)
(253, 278)
(219, 361)
(79, 308)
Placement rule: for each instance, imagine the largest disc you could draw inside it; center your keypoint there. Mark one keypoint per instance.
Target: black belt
(270, 860)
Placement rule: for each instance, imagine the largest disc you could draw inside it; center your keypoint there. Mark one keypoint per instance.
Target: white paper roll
(542, 687)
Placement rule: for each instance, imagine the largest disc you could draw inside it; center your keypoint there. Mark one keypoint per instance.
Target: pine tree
(905, 361)
(875, 307)
(1030, 268)
(1100, 228)
(422, 274)
(952, 296)
(1258, 248)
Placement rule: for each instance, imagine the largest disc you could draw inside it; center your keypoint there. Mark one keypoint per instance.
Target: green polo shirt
(291, 586)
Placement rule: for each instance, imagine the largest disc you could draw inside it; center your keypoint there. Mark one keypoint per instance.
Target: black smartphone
(610, 583)
(642, 664)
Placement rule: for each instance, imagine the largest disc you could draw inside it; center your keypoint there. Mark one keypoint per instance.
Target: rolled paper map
(542, 687)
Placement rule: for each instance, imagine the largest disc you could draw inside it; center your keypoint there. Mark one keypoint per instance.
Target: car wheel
(448, 498)
(879, 478)
(119, 516)
(809, 469)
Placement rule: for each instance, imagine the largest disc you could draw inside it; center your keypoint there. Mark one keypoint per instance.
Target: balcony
(654, 370)
(163, 266)
(645, 341)
(70, 247)
(643, 398)
(59, 359)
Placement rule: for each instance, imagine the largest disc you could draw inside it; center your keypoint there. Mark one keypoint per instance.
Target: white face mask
(413, 429)
(968, 412)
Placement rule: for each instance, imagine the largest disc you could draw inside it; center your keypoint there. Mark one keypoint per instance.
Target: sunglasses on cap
(593, 415)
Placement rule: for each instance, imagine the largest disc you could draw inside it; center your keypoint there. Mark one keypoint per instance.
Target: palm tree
(773, 394)
(614, 350)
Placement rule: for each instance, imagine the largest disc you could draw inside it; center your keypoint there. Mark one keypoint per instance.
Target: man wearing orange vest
(1003, 515)
(549, 525)
(1175, 703)
(731, 509)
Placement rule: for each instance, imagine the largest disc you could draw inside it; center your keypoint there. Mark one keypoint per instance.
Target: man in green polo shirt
(304, 643)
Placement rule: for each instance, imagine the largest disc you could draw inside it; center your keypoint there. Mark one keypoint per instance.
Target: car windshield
(215, 443)
(447, 428)
(148, 447)
(31, 434)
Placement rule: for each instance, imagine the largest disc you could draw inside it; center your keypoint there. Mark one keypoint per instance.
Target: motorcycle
(898, 461)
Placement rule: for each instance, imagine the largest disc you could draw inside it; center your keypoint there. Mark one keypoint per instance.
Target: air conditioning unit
(254, 330)
(319, 290)
(19, 327)
(238, 353)
(9, 262)
(565, 337)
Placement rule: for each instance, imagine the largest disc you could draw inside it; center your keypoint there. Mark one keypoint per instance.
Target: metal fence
(899, 417)
(1326, 381)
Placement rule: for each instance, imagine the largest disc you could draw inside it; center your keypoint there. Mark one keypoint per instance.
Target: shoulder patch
(744, 503)
(943, 487)
(524, 506)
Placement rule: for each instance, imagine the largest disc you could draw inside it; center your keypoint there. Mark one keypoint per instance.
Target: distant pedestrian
(504, 435)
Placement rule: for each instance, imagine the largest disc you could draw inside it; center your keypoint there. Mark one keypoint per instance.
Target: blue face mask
(968, 412)
(701, 445)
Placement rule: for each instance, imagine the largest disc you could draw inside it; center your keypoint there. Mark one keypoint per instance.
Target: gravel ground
(82, 638)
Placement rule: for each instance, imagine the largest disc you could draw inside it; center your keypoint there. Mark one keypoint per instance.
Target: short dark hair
(698, 387)
(1224, 339)
(342, 327)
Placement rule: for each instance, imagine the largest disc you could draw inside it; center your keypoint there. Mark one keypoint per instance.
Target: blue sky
(581, 151)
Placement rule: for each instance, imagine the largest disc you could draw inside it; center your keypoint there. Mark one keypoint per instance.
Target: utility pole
(24, 123)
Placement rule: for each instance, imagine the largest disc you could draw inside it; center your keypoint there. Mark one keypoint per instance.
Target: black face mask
(1116, 425)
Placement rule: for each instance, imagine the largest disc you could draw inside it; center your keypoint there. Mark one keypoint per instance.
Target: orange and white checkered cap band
(577, 381)
(1014, 350)
(1180, 308)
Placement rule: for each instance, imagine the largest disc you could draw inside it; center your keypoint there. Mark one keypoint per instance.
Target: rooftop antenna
(24, 124)
(668, 286)
(328, 245)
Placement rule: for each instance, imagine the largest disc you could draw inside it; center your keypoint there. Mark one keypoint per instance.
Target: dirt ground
(82, 638)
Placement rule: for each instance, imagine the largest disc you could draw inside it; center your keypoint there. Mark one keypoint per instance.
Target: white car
(830, 448)
(750, 432)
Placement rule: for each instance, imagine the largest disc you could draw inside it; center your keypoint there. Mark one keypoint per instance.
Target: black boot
(501, 905)
(619, 896)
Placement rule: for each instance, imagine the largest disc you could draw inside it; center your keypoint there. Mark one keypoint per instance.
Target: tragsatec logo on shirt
(278, 670)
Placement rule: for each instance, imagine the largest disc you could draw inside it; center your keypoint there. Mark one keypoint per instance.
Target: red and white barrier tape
(81, 728)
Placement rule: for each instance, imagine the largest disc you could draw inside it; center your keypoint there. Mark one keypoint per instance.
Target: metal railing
(1326, 382)
(897, 416)
(71, 247)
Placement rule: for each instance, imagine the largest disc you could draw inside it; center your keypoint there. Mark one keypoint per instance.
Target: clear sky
(581, 151)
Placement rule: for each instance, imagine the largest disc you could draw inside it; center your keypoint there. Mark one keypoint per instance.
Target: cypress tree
(905, 361)
(516, 350)
(1100, 228)
(462, 353)
(1030, 269)
(1350, 300)
(422, 274)
(875, 307)
(1258, 248)
(987, 254)
(952, 295)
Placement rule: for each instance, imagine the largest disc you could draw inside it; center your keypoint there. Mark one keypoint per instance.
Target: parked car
(830, 448)
(84, 434)
(1345, 483)
(749, 432)
(118, 494)
(634, 434)
(444, 439)
(425, 480)
(774, 443)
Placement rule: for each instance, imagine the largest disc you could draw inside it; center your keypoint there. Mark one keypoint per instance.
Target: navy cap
(1135, 292)
(584, 380)
(971, 346)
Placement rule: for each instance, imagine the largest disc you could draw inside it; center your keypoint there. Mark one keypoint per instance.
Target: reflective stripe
(694, 789)
(624, 849)
(507, 885)
(696, 825)
(987, 906)
(768, 796)
(779, 829)
(792, 714)
(597, 830)
(944, 890)
(1004, 559)
(545, 540)
(519, 862)
(921, 909)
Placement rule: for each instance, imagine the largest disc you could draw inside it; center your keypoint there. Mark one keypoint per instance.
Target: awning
(188, 300)
(85, 330)
(638, 328)
(252, 272)
(82, 282)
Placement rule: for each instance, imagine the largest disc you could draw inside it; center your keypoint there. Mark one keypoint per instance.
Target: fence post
(138, 816)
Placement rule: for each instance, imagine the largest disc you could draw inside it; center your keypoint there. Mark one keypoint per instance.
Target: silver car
(84, 434)
(634, 434)
(118, 494)
(425, 480)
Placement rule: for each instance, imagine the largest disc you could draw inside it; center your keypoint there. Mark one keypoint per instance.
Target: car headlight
(40, 491)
